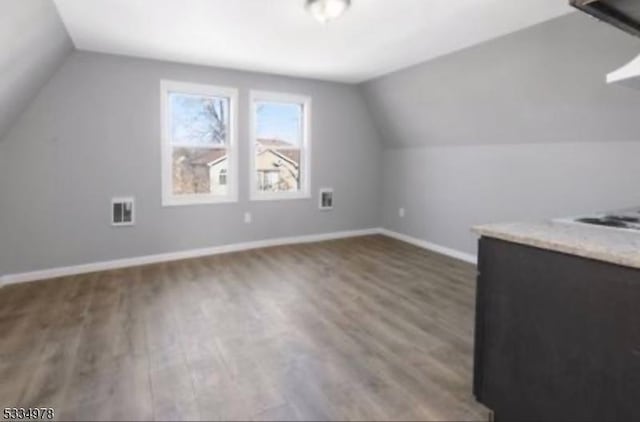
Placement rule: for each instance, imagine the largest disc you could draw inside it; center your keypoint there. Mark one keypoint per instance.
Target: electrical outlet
(247, 218)
(401, 213)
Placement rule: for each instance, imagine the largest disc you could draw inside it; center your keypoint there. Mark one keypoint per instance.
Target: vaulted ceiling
(33, 44)
(545, 84)
(375, 37)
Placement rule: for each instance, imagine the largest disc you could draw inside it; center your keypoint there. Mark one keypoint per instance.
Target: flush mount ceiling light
(326, 10)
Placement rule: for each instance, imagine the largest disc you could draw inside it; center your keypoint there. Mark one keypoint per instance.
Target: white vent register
(123, 211)
(325, 201)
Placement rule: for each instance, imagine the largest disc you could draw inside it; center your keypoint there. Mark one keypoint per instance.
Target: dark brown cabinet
(623, 14)
(557, 336)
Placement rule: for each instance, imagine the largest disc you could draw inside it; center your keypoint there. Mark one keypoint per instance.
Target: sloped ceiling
(33, 44)
(543, 84)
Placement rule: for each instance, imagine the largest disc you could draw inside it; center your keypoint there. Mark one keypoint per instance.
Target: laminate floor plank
(365, 328)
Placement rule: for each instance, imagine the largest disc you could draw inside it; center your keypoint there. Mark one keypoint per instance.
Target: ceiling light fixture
(326, 10)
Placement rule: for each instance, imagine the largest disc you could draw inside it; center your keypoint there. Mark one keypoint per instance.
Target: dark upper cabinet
(624, 14)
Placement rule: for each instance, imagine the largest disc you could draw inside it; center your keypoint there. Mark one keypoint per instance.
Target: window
(199, 159)
(280, 146)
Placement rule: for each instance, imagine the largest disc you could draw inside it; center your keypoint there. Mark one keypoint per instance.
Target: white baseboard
(216, 250)
(176, 256)
(472, 259)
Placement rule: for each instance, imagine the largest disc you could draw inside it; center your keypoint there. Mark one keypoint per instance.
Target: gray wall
(446, 190)
(94, 132)
(522, 127)
(34, 43)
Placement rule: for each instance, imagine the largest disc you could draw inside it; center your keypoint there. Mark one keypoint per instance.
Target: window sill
(181, 202)
(279, 196)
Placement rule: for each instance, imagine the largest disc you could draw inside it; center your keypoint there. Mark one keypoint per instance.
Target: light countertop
(620, 247)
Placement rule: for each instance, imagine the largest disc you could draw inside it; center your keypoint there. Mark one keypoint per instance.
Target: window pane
(278, 170)
(280, 123)
(199, 120)
(200, 171)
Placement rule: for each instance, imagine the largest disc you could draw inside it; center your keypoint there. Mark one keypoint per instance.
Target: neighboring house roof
(293, 157)
(212, 157)
(274, 143)
(208, 156)
(219, 160)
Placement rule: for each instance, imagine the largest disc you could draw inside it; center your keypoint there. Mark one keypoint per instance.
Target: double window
(200, 147)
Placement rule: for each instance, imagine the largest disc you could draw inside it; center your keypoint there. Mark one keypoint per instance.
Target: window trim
(169, 199)
(305, 148)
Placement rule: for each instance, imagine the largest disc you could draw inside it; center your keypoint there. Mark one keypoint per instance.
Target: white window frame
(305, 148)
(168, 197)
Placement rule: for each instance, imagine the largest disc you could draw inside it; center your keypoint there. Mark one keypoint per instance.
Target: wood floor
(359, 329)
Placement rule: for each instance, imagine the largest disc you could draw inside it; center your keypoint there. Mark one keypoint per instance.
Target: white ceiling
(278, 36)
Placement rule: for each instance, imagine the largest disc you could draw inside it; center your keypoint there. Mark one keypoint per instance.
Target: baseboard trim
(217, 250)
(463, 256)
(176, 256)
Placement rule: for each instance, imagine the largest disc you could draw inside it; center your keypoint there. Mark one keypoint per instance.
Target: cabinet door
(480, 327)
(560, 335)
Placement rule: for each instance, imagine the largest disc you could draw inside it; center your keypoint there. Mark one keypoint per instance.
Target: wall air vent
(122, 211)
(325, 202)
